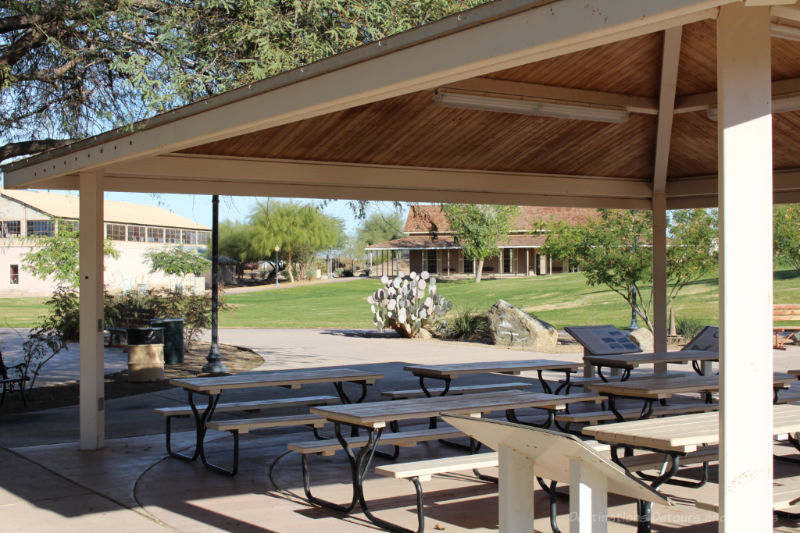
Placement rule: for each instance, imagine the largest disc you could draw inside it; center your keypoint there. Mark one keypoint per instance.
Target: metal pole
(214, 358)
(277, 269)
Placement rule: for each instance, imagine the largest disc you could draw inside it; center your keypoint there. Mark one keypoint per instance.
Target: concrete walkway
(47, 484)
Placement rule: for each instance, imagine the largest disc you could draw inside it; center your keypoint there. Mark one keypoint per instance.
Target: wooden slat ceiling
(413, 130)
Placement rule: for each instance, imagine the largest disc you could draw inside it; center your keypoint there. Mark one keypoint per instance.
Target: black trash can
(173, 338)
(139, 336)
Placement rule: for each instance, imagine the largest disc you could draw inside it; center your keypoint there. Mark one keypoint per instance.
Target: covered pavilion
(641, 104)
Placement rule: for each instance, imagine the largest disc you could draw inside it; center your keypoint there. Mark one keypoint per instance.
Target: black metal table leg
(545, 387)
(511, 416)
(566, 383)
(200, 421)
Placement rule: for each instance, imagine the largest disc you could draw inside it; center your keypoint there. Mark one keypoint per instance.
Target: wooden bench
(328, 447)
(595, 417)
(245, 425)
(246, 407)
(466, 389)
(785, 313)
(580, 381)
(785, 493)
(10, 382)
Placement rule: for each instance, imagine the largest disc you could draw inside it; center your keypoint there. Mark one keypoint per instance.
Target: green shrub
(688, 327)
(468, 325)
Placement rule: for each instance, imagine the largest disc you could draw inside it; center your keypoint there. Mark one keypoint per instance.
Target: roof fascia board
(533, 34)
(388, 193)
(187, 168)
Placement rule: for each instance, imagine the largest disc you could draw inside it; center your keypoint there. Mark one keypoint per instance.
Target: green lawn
(21, 312)
(561, 299)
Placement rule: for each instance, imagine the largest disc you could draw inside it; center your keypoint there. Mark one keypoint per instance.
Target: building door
(506, 260)
(433, 267)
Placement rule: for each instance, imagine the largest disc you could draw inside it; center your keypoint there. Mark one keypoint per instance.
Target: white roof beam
(561, 95)
(703, 101)
(509, 40)
(188, 174)
(666, 105)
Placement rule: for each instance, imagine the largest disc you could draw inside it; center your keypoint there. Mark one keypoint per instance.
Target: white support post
(588, 499)
(745, 193)
(92, 401)
(660, 278)
(515, 492)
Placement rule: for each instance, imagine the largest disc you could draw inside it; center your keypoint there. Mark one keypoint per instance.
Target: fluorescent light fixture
(779, 105)
(530, 107)
(790, 33)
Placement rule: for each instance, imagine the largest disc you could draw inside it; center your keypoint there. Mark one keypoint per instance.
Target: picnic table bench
(785, 313)
(9, 382)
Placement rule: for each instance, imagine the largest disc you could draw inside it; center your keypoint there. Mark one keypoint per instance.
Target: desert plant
(407, 303)
(468, 324)
(688, 327)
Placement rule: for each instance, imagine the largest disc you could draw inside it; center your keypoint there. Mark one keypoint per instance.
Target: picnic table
(601, 340)
(449, 372)
(676, 437)
(212, 388)
(700, 359)
(660, 388)
(375, 416)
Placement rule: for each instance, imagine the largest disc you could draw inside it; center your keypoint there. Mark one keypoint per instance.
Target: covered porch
(611, 103)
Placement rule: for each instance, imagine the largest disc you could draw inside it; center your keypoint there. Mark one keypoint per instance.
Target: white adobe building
(133, 229)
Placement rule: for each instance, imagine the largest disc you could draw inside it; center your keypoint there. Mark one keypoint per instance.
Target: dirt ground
(235, 358)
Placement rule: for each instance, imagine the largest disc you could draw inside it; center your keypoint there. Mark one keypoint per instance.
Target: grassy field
(21, 312)
(562, 300)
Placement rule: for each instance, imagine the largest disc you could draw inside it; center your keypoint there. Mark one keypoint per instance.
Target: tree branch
(30, 147)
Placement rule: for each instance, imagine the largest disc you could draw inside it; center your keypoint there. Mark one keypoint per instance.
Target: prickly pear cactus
(407, 303)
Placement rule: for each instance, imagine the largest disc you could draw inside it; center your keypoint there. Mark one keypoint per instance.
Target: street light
(277, 249)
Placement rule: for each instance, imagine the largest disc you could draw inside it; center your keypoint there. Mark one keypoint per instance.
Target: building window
(14, 275)
(136, 233)
(506, 260)
(40, 227)
(432, 266)
(155, 234)
(115, 232)
(469, 266)
(173, 236)
(203, 237)
(189, 237)
(9, 227)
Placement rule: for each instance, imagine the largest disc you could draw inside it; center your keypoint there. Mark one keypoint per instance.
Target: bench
(466, 389)
(595, 417)
(785, 493)
(785, 313)
(659, 461)
(328, 447)
(580, 381)
(246, 407)
(10, 382)
(241, 426)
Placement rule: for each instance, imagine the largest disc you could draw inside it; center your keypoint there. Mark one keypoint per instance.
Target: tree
(177, 262)
(478, 229)
(234, 241)
(379, 227)
(71, 68)
(786, 234)
(615, 249)
(57, 256)
(299, 230)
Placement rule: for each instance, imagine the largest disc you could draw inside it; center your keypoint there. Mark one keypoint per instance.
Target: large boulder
(643, 338)
(511, 326)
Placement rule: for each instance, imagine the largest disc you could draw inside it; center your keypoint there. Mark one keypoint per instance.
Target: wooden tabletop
(275, 378)
(683, 433)
(635, 359)
(662, 387)
(483, 367)
(795, 373)
(379, 414)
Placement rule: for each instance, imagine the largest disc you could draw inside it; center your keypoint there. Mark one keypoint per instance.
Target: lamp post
(277, 249)
(634, 325)
(214, 363)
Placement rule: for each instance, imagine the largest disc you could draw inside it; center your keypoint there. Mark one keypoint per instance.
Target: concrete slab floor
(47, 484)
